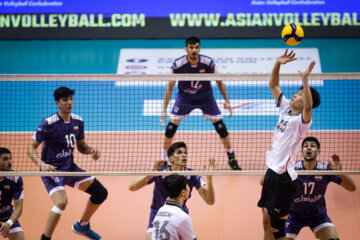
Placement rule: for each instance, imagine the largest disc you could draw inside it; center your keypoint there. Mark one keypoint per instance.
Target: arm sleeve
(41, 132)
(186, 230)
(19, 191)
(282, 102)
(81, 135)
(334, 178)
(199, 182)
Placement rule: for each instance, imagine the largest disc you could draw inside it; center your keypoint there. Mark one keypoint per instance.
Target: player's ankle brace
(170, 130)
(221, 129)
(97, 191)
(57, 210)
(279, 224)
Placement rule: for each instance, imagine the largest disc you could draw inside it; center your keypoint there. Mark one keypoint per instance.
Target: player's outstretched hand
(287, 57)
(227, 106)
(306, 73)
(336, 164)
(95, 154)
(47, 167)
(212, 165)
(163, 119)
(158, 165)
(4, 229)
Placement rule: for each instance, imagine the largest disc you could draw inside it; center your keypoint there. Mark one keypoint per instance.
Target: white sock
(164, 156)
(83, 224)
(230, 150)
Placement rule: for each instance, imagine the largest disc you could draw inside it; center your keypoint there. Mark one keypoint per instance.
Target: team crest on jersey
(318, 177)
(76, 128)
(7, 187)
(202, 71)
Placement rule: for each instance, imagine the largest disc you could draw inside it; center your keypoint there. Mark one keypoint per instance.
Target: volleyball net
(122, 120)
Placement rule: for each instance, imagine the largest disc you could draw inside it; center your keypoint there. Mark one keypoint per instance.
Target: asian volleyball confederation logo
(137, 60)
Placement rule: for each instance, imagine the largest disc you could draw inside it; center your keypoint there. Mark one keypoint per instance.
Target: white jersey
(286, 141)
(172, 223)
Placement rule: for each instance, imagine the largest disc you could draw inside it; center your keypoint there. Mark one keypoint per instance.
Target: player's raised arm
(207, 192)
(308, 100)
(223, 92)
(141, 182)
(346, 182)
(167, 97)
(274, 76)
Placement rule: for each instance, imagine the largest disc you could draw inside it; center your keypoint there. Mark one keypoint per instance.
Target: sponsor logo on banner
(241, 107)
(136, 67)
(137, 60)
(227, 61)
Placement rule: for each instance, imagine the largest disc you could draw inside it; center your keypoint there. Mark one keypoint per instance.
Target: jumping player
(294, 122)
(60, 133)
(194, 95)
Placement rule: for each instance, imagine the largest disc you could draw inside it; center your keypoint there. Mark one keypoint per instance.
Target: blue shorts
(16, 227)
(208, 106)
(57, 183)
(295, 224)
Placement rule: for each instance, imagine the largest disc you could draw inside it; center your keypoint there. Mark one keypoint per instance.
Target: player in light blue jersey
(177, 154)
(308, 206)
(59, 134)
(194, 95)
(11, 188)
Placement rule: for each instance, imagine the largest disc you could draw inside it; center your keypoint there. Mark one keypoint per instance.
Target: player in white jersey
(171, 222)
(294, 122)
(11, 188)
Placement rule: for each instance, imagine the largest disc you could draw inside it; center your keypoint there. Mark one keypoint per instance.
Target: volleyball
(292, 34)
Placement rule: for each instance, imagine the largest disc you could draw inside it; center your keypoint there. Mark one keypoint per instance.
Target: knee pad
(97, 192)
(278, 224)
(170, 130)
(57, 210)
(221, 129)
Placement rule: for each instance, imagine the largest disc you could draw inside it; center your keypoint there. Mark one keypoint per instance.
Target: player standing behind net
(60, 133)
(171, 222)
(177, 154)
(10, 188)
(194, 95)
(308, 207)
(294, 121)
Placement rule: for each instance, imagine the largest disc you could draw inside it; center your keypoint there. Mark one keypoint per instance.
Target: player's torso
(7, 191)
(309, 197)
(196, 90)
(60, 142)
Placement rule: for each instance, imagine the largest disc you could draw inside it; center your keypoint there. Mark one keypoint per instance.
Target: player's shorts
(152, 216)
(295, 224)
(57, 183)
(16, 227)
(277, 192)
(183, 108)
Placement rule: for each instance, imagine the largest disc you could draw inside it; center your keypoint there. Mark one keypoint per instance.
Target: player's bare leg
(268, 235)
(225, 139)
(168, 140)
(59, 199)
(327, 233)
(16, 236)
(90, 208)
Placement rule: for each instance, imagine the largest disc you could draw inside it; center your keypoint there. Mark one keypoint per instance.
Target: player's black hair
(4, 150)
(174, 184)
(313, 139)
(174, 146)
(192, 40)
(315, 96)
(63, 92)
